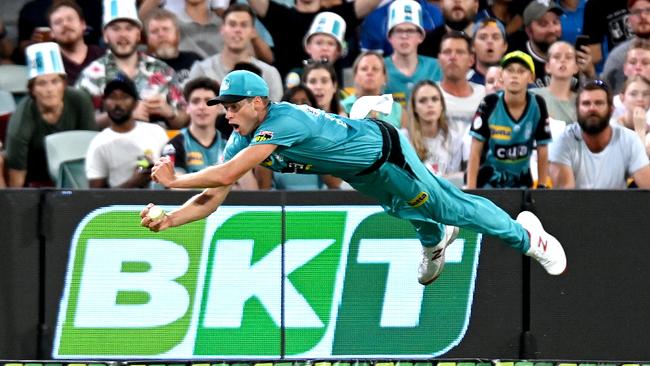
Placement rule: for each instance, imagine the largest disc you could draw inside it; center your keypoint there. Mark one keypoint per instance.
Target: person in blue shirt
(371, 155)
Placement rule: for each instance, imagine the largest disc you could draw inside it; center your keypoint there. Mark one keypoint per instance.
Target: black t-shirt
(73, 70)
(431, 44)
(289, 26)
(606, 19)
(182, 64)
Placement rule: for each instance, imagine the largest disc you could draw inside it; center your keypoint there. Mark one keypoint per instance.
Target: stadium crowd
(491, 93)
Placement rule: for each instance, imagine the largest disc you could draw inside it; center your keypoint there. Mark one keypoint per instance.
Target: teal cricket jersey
(400, 85)
(190, 155)
(311, 141)
(510, 142)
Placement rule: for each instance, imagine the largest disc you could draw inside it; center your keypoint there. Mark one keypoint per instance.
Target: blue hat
(238, 85)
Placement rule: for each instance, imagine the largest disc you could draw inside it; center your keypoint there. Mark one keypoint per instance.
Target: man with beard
(458, 16)
(163, 37)
(68, 26)
(121, 155)
(162, 100)
(594, 153)
(639, 20)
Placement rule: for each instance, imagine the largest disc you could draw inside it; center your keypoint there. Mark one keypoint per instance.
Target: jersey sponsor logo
(500, 132)
(211, 289)
(195, 158)
(264, 136)
(511, 152)
(293, 167)
(419, 200)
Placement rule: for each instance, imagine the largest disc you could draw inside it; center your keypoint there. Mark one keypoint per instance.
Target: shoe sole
(451, 239)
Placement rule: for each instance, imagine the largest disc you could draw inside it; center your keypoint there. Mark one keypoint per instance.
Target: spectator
(640, 23)
(277, 17)
(462, 97)
(321, 80)
(369, 79)
(323, 42)
(510, 122)
(493, 81)
(542, 29)
(572, 19)
(50, 107)
(458, 16)
(559, 95)
(637, 63)
(507, 12)
(163, 37)
(33, 22)
(489, 43)
(6, 45)
(299, 94)
(68, 25)
(121, 156)
(200, 145)
(373, 29)
(162, 100)
(594, 153)
(237, 32)
(636, 99)
(606, 24)
(438, 146)
(405, 67)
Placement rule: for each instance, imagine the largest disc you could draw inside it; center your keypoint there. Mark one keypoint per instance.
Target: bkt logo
(259, 282)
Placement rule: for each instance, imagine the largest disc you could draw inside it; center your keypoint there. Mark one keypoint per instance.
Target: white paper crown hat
(44, 58)
(404, 11)
(330, 24)
(120, 10)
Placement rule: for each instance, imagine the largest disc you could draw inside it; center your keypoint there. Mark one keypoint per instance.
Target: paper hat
(238, 85)
(44, 58)
(330, 24)
(120, 10)
(369, 103)
(404, 11)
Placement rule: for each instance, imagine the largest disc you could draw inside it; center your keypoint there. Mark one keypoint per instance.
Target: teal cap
(238, 85)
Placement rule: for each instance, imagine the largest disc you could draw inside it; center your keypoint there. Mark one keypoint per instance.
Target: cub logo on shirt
(264, 136)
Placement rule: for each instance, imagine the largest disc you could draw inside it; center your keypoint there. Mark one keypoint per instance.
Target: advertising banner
(260, 282)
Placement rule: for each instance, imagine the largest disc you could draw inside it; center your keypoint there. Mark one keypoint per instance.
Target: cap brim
(225, 99)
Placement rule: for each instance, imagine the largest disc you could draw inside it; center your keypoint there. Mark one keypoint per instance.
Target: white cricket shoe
(433, 258)
(543, 246)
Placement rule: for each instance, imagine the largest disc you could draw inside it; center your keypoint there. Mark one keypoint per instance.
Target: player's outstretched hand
(163, 171)
(154, 218)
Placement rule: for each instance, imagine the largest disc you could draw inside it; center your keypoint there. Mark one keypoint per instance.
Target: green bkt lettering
(213, 288)
(127, 291)
(384, 311)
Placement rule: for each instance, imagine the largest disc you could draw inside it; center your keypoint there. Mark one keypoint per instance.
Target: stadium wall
(494, 306)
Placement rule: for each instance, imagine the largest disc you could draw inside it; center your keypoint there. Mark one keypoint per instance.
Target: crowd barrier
(290, 276)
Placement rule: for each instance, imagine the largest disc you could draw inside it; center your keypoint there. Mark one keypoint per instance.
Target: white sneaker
(433, 258)
(543, 246)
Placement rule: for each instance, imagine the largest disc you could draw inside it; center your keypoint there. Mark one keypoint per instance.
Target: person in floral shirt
(160, 98)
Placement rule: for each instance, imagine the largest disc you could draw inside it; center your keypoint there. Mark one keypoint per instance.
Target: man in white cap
(237, 32)
(405, 67)
(50, 107)
(162, 100)
(371, 155)
(288, 26)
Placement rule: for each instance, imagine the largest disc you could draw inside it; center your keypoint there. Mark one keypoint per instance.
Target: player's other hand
(163, 171)
(154, 225)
